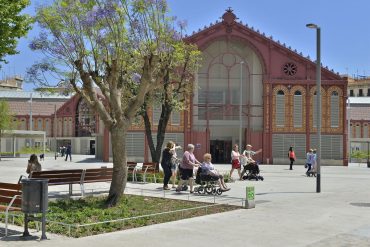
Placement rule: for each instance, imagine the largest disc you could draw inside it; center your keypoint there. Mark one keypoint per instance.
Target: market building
(277, 88)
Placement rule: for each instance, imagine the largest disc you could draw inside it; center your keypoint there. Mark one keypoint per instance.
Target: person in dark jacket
(69, 152)
(166, 164)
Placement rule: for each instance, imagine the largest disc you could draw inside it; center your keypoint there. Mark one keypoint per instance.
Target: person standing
(235, 160)
(174, 163)
(292, 157)
(186, 168)
(166, 164)
(69, 152)
(314, 160)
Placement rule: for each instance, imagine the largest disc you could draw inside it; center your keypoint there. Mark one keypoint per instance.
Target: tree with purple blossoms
(175, 91)
(121, 47)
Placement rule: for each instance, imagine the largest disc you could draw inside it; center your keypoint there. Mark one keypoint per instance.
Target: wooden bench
(62, 177)
(10, 199)
(148, 168)
(95, 175)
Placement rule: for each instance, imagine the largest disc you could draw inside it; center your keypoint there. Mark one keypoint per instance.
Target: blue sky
(345, 29)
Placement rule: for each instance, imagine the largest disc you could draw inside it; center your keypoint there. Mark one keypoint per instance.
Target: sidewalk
(288, 212)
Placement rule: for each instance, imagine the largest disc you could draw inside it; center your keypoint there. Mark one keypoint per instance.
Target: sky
(345, 29)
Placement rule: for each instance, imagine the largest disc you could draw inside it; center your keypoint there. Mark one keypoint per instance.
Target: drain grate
(360, 204)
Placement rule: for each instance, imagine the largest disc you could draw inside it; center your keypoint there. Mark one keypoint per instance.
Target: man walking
(69, 152)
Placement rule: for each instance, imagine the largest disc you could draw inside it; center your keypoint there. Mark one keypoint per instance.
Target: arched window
(39, 124)
(334, 109)
(280, 109)
(366, 131)
(297, 109)
(85, 120)
(47, 127)
(358, 131)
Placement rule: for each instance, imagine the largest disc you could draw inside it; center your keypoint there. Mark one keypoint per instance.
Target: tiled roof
(360, 113)
(38, 108)
(27, 95)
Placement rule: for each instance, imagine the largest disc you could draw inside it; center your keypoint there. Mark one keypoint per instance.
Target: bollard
(249, 198)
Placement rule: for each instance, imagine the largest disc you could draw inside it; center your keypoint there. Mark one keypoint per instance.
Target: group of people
(311, 159)
(171, 165)
(244, 159)
(67, 151)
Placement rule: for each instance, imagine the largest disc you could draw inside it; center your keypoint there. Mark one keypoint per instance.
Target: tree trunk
(119, 179)
(156, 151)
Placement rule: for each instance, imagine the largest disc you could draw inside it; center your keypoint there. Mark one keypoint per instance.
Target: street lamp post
(241, 106)
(55, 130)
(318, 104)
(349, 129)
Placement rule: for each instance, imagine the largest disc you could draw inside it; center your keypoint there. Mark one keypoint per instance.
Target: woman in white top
(174, 163)
(235, 160)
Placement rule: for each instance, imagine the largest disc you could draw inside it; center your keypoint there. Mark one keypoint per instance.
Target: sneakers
(166, 188)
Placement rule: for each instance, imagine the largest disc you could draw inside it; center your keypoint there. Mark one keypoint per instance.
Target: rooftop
(27, 95)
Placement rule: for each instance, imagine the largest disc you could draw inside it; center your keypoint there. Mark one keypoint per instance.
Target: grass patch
(91, 210)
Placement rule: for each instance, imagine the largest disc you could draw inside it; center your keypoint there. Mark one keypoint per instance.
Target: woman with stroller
(309, 161)
(166, 164)
(251, 164)
(208, 169)
(291, 156)
(186, 168)
(235, 160)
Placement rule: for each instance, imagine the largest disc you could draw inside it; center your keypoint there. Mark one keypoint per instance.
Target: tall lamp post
(241, 106)
(349, 128)
(318, 103)
(55, 131)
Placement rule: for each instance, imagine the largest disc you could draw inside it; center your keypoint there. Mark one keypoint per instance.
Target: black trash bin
(34, 201)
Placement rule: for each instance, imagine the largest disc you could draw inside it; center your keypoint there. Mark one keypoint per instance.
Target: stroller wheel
(196, 189)
(219, 192)
(209, 190)
(201, 190)
(214, 191)
(261, 178)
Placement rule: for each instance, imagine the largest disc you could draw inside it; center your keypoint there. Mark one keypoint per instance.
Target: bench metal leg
(82, 190)
(70, 189)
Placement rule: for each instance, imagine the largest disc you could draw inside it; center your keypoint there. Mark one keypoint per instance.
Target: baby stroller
(208, 184)
(251, 172)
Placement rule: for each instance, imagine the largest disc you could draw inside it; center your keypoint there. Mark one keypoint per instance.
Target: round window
(290, 69)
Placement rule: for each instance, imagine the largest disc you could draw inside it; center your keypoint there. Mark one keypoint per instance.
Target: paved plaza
(288, 211)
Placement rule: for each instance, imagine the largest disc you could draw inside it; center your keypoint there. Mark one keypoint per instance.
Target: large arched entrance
(230, 76)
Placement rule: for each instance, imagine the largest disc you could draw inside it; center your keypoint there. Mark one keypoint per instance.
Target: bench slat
(9, 186)
(7, 200)
(10, 193)
(3, 208)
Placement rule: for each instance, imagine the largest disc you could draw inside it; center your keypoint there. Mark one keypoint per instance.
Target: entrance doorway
(221, 151)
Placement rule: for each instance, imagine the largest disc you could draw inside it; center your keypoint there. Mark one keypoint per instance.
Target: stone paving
(288, 211)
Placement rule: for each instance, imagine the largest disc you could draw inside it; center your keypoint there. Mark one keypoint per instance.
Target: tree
(5, 120)
(173, 94)
(13, 25)
(122, 47)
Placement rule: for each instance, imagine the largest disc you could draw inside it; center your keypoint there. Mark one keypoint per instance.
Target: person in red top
(292, 157)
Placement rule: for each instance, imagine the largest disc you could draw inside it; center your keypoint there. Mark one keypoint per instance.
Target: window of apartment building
(351, 93)
(368, 92)
(360, 93)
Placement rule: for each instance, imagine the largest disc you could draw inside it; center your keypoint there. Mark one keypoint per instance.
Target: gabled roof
(230, 26)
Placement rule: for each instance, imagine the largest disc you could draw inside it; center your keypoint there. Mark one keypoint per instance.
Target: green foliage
(6, 116)
(13, 25)
(92, 209)
(359, 155)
